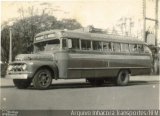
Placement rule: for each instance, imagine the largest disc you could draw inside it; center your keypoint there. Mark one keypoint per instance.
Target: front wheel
(122, 78)
(42, 79)
(22, 83)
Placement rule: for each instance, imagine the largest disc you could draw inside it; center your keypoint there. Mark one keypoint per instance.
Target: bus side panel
(74, 66)
(142, 65)
(138, 71)
(106, 65)
(137, 64)
(74, 73)
(100, 73)
(62, 58)
(84, 65)
(89, 66)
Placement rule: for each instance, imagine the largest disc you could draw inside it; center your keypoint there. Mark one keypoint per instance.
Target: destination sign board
(44, 36)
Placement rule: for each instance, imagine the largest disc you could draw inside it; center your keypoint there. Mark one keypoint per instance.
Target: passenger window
(116, 47)
(97, 45)
(107, 46)
(75, 43)
(124, 47)
(140, 48)
(85, 44)
(133, 48)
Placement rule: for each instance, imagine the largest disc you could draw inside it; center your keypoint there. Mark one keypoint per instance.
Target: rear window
(147, 50)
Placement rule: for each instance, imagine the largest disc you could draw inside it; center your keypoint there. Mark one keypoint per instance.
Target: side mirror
(69, 43)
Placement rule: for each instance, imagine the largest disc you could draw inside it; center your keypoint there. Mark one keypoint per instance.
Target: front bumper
(17, 76)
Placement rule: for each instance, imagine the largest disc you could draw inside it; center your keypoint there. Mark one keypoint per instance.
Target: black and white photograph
(80, 58)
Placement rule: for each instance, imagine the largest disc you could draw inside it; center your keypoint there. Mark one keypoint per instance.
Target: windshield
(47, 46)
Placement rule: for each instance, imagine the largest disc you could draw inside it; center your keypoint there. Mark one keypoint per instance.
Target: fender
(34, 66)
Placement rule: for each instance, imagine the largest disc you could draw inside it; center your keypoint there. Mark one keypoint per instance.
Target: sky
(99, 13)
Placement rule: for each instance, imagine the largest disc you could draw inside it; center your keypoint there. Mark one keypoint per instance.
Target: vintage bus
(69, 54)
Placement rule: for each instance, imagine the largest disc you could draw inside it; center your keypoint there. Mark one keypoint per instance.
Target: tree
(126, 25)
(25, 29)
(5, 44)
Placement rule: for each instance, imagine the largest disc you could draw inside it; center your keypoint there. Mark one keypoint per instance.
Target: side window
(125, 47)
(97, 45)
(107, 46)
(116, 47)
(140, 48)
(133, 48)
(85, 44)
(75, 43)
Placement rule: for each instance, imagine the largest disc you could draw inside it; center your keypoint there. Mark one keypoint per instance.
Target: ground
(141, 93)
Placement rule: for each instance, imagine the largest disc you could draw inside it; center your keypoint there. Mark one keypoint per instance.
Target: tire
(122, 78)
(96, 82)
(21, 83)
(156, 67)
(42, 79)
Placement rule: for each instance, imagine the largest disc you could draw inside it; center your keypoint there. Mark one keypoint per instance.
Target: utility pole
(151, 19)
(144, 21)
(10, 45)
(156, 23)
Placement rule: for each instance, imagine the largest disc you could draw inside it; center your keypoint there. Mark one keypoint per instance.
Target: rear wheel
(156, 68)
(42, 79)
(21, 83)
(122, 78)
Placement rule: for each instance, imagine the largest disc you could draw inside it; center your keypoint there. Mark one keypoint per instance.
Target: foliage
(24, 30)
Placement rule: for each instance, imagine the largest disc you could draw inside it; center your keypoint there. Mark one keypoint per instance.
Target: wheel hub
(44, 80)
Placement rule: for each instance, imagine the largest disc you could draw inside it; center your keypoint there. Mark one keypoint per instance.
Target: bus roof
(92, 36)
(49, 32)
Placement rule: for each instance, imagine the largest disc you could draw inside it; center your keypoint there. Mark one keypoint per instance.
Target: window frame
(128, 51)
(90, 41)
(111, 45)
(140, 50)
(99, 43)
(131, 49)
(118, 43)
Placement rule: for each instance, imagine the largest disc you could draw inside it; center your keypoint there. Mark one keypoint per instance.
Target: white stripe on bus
(94, 56)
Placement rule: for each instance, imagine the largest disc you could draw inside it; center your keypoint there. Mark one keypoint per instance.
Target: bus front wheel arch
(53, 72)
